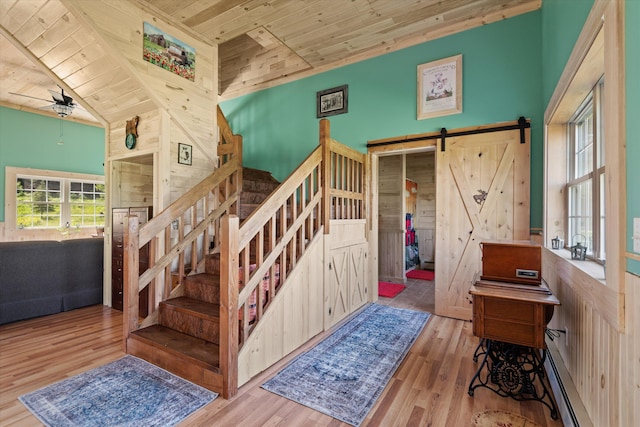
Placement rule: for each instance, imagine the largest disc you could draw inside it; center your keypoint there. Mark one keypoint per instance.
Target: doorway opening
(406, 213)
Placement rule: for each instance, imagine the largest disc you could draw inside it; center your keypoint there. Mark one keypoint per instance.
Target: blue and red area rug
(344, 375)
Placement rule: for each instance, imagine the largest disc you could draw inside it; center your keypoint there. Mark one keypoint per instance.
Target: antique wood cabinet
(117, 257)
(516, 316)
(513, 262)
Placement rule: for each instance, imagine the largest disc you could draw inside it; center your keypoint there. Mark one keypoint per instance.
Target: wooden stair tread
(251, 174)
(200, 308)
(178, 343)
(204, 278)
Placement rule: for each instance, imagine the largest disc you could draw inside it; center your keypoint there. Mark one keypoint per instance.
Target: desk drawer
(515, 333)
(509, 310)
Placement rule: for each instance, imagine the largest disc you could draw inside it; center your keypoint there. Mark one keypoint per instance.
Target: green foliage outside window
(41, 203)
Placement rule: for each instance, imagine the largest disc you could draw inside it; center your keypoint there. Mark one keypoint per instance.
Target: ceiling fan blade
(32, 97)
(57, 97)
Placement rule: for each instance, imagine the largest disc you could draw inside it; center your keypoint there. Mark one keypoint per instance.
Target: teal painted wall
(30, 141)
(632, 35)
(501, 82)
(562, 21)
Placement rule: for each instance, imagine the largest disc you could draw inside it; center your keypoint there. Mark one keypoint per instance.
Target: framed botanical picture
(184, 154)
(330, 102)
(440, 87)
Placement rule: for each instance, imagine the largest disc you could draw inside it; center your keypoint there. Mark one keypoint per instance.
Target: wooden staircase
(208, 300)
(186, 338)
(256, 187)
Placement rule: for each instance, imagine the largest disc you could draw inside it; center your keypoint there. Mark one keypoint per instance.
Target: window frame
(12, 230)
(596, 52)
(592, 106)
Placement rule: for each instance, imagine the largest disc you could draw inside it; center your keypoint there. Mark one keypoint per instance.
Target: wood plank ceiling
(262, 43)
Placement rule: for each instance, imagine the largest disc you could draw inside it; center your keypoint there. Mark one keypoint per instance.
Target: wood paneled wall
(295, 317)
(171, 108)
(391, 172)
(603, 362)
(132, 184)
(421, 168)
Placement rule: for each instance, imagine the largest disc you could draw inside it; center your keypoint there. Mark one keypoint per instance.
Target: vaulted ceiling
(262, 43)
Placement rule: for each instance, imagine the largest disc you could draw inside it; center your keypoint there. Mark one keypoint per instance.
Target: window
(49, 201)
(586, 173)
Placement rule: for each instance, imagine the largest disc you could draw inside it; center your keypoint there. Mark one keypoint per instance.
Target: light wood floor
(428, 389)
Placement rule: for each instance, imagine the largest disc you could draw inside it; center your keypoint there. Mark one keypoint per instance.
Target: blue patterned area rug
(127, 392)
(344, 375)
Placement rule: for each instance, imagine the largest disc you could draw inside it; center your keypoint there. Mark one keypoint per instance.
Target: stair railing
(201, 209)
(329, 184)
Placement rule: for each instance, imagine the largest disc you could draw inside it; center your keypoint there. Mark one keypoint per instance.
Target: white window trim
(12, 232)
(597, 51)
(594, 103)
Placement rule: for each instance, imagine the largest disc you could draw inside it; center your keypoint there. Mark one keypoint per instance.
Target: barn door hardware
(521, 125)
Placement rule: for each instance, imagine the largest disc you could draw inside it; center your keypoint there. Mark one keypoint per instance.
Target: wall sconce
(578, 251)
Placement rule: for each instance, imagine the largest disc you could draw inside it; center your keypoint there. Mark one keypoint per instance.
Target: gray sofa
(38, 278)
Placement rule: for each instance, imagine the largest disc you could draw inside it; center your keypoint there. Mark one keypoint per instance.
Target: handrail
(263, 250)
(203, 209)
(272, 239)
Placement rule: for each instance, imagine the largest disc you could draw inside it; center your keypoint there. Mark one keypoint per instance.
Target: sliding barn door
(482, 194)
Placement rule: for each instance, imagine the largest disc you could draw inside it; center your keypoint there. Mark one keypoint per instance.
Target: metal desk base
(513, 371)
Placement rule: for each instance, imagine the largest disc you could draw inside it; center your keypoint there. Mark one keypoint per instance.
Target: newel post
(131, 273)
(229, 270)
(325, 143)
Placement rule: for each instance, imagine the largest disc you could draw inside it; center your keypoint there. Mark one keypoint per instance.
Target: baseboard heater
(570, 406)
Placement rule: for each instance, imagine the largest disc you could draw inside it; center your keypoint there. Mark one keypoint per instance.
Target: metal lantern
(557, 243)
(578, 251)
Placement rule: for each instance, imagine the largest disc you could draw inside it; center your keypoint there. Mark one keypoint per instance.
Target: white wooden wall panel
(294, 317)
(347, 285)
(148, 140)
(603, 362)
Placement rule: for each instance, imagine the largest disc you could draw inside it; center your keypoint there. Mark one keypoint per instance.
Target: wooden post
(229, 269)
(325, 131)
(239, 177)
(131, 273)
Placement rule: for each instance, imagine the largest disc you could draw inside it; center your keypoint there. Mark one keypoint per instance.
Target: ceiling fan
(63, 104)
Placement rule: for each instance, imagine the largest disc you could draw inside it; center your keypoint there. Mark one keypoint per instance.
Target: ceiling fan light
(62, 110)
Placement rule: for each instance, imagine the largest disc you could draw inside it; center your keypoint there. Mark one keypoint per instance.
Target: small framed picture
(330, 102)
(440, 87)
(184, 154)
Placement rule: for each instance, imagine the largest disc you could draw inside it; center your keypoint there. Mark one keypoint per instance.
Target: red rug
(389, 290)
(421, 274)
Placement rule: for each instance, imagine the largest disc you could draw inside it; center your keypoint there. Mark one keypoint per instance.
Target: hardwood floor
(428, 389)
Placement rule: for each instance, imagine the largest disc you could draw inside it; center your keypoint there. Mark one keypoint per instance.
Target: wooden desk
(511, 321)
(516, 314)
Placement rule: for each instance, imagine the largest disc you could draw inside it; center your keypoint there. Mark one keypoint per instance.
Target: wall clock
(132, 133)
(184, 154)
